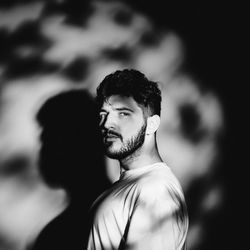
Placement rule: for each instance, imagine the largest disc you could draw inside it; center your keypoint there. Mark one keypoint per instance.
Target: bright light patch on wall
(13, 18)
(20, 102)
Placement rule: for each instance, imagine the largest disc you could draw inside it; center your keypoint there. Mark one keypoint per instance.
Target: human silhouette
(71, 157)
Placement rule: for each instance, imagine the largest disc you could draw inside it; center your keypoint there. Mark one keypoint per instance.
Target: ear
(153, 123)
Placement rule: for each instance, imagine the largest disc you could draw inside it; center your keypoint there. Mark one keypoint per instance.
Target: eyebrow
(102, 110)
(124, 109)
(119, 109)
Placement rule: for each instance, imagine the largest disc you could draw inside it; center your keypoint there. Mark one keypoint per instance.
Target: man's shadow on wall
(71, 157)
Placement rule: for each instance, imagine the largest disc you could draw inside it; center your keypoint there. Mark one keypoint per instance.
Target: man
(145, 208)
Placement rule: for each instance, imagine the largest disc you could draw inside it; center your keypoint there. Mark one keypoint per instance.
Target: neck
(142, 157)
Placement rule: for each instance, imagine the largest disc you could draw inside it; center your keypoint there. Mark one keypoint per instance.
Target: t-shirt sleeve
(159, 220)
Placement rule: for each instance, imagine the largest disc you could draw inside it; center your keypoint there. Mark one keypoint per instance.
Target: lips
(110, 135)
(110, 138)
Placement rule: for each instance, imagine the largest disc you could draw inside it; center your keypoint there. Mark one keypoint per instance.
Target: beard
(129, 147)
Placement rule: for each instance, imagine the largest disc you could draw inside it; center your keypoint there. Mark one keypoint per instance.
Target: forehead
(120, 102)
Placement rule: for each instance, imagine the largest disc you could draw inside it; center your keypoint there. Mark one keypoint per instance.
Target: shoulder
(160, 186)
(159, 179)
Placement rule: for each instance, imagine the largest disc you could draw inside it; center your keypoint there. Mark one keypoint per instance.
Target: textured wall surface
(48, 47)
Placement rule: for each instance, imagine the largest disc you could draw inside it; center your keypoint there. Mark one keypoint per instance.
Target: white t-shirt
(144, 210)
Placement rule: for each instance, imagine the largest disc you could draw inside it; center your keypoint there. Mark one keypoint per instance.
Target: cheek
(131, 130)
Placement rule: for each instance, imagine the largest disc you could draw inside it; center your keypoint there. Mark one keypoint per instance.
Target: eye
(102, 116)
(124, 114)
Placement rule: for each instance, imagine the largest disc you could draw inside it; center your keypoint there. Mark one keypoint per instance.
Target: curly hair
(131, 83)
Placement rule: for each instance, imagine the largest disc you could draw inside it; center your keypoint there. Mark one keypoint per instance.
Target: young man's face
(123, 126)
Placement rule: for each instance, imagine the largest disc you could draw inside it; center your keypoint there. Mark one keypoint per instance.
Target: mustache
(111, 133)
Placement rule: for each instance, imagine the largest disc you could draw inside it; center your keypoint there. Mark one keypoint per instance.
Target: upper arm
(159, 220)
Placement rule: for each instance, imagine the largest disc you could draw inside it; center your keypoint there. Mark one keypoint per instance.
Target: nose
(108, 122)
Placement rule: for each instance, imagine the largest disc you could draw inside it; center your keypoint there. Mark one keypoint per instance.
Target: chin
(112, 154)
(117, 155)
